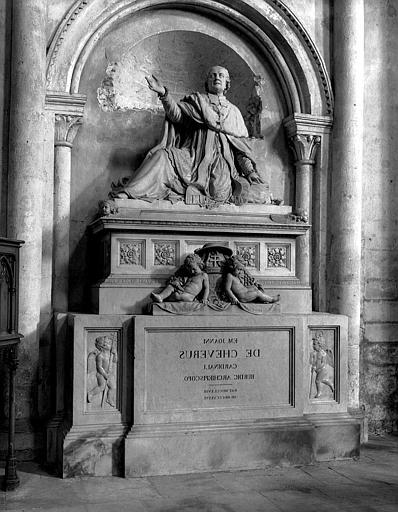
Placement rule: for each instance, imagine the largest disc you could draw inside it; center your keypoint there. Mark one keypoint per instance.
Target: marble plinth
(237, 392)
(229, 446)
(136, 249)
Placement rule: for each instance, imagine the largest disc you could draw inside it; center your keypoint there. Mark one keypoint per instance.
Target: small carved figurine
(105, 363)
(107, 208)
(319, 360)
(189, 283)
(240, 286)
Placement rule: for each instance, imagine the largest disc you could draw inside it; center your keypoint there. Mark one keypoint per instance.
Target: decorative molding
(66, 127)
(277, 257)
(62, 30)
(102, 17)
(263, 226)
(165, 253)
(131, 252)
(307, 124)
(321, 67)
(249, 254)
(304, 148)
(136, 282)
(63, 103)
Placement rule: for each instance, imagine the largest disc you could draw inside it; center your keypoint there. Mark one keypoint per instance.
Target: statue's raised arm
(155, 85)
(205, 155)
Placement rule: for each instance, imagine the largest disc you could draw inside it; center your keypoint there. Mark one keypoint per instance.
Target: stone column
(68, 114)
(346, 179)
(304, 148)
(26, 172)
(66, 127)
(308, 138)
(303, 135)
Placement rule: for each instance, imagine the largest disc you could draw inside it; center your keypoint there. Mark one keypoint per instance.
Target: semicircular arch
(269, 27)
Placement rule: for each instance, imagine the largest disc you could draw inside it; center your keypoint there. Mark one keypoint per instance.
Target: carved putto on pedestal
(188, 284)
(240, 286)
(101, 372)
(214, 277)
(322, 362)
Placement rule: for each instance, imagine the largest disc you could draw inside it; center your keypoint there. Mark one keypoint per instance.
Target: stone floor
(365, 485)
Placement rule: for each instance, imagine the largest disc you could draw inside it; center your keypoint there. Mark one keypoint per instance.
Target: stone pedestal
(189, 387)
(137, 248)
(207, 393)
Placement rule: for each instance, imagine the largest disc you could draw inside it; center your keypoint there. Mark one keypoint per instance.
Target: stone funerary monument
(201, 345)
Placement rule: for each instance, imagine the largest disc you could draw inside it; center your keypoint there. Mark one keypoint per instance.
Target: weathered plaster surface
(378, 389)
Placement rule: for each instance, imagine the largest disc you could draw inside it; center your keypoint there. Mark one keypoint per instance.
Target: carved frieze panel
(249, 254)
(132, 252)
(165, 253)
(323, 364)
(102, 388)
(278, 256)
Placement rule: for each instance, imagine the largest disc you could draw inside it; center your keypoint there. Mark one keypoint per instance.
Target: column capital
(63, 103)
(66, 127)
(304, 148)
(307, 124)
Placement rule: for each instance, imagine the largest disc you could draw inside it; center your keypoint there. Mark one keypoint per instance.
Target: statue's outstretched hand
(155, 85)
(254, 177)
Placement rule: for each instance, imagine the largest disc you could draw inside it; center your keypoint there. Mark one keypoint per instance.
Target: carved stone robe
(204, 153)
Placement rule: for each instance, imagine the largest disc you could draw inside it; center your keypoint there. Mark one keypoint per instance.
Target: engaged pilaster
(66, 127)
(306, 134)
(68, 117)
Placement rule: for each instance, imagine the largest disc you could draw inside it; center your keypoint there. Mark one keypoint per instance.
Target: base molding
(239, 445)
(93, 450)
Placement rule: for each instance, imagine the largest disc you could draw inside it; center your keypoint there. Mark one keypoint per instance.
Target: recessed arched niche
(123, 119)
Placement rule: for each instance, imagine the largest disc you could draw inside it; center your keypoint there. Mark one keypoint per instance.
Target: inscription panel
(208, 369)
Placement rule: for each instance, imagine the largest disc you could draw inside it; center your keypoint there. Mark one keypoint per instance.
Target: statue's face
(217, 80)
(104, 343)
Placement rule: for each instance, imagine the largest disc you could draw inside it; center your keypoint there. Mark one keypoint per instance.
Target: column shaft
(26, 164)
(346, 186)
(62, 176)
(66, 126)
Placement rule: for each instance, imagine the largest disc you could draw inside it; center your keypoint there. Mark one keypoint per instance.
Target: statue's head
(234, 265)
(193, 264)
(318, 342)
(103, 343)
(217, 80)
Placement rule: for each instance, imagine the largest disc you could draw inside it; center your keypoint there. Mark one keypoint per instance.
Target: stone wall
(379, 376)
(5, 13)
